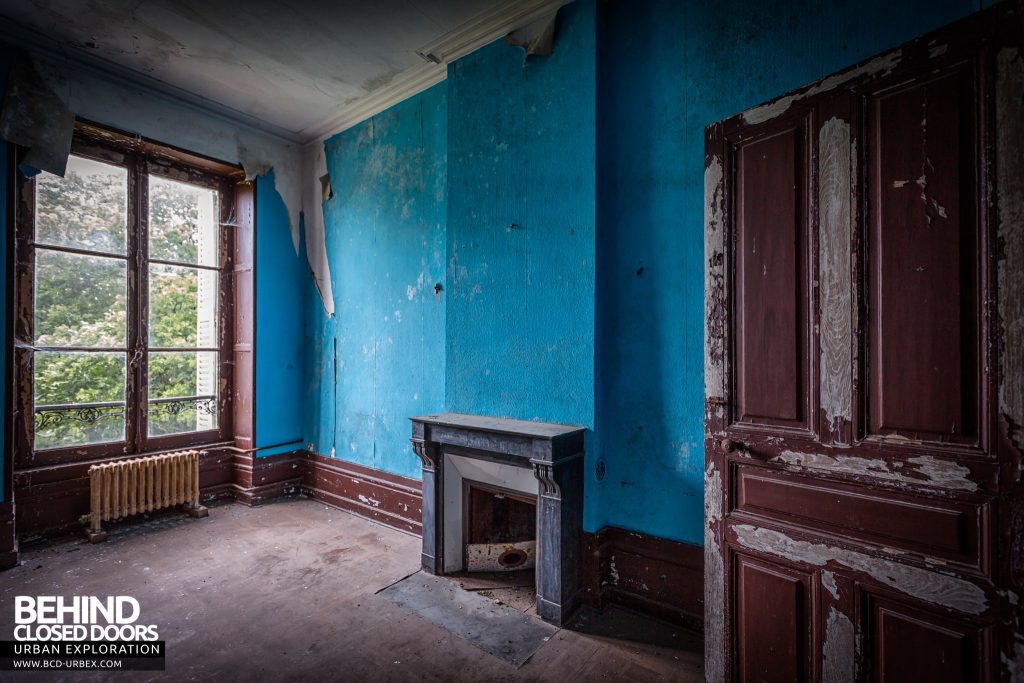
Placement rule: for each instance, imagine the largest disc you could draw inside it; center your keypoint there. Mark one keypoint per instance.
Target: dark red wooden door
(864, 324)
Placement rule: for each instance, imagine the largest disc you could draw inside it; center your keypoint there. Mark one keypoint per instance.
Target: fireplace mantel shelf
(500, 425)
(517, 442)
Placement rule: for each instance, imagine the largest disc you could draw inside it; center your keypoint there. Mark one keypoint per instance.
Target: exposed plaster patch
(834, 272)
(714, 279)
(932, 471)
(838, 652)
(879, 65)
(1010, 202)
(929, 586)
(828, 580)
(714, 579)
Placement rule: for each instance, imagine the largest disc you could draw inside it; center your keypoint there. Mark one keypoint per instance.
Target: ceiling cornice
(28, 39)
(482, 29)
(486, 27)
(406, 84)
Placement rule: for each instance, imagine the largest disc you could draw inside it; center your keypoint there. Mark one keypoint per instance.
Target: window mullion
(135, 394)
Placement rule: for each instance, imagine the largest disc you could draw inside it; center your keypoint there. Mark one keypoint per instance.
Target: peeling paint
(828, 581)
(879, 65)
(1014, 664)
(834, 273)
(714, 278)
(838, 651)
(1010, 198)
(923, 584)
(314, 165)
(714, 580)
(930, 470)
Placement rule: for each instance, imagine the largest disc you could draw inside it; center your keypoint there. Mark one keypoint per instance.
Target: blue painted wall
(281, 277)
(381, 358)
(571, 238)
(521, 225)
(667, 70)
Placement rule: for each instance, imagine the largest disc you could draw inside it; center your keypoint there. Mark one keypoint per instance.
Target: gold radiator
(130, 487)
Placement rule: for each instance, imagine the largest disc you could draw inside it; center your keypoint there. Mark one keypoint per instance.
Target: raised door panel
(772, 616)
(909, 644)
(922, 250)
(770, 254)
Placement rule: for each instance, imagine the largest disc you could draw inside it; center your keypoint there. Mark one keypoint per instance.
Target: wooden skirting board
(647, 574)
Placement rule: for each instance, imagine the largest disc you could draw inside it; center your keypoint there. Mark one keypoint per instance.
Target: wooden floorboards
(286, 592)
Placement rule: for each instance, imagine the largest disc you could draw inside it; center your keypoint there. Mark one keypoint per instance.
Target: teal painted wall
(281, 277)
(381, 358)
(521, 225)
(668, 69)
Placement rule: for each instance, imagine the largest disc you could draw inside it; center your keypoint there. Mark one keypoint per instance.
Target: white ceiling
(294, 66)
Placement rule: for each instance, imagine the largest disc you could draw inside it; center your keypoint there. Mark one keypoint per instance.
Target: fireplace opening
(500, 528)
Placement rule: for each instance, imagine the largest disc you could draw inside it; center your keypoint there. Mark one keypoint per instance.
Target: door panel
(772, 609)
(855, 497)
(923, 250)
(770, 296)
(908, 644)
(951, 530)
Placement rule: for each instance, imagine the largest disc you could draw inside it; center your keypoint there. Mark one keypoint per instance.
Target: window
(123, 294)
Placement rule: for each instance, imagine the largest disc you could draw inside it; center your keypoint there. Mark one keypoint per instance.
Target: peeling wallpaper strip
(64, 90)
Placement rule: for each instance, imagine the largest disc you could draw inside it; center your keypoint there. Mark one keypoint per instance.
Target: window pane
(79, 398)
(182, 391)
(80, 300)
(86, 209)
(182, 222)
(182, 307)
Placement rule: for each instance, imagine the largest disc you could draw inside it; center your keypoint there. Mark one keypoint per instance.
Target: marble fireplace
(531, 459)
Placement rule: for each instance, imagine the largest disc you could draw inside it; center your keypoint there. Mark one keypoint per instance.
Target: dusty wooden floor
(286, 591)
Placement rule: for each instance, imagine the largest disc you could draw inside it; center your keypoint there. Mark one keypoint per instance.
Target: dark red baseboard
(386, 498)
(645, 573)
(258, 480)
(51, 500)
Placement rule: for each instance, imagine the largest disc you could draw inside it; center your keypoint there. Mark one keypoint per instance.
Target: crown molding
(39, 44)
(406, 84)
(486, 27)
(481, 30)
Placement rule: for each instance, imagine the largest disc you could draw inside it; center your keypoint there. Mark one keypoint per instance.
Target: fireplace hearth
(472, 462)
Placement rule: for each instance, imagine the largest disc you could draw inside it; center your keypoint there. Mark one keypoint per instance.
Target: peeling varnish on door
(1010, 201)
(837, 651)
(828, 581)
(879, 65)
(714, 579)
(834, 273)
(928, 586)
(714, 280)
(928, 469)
